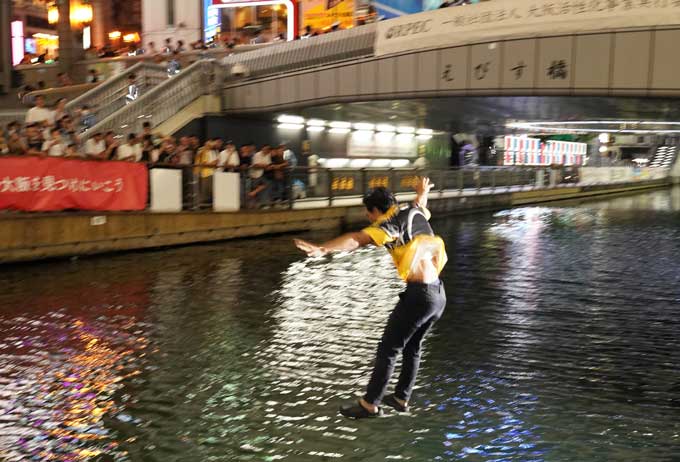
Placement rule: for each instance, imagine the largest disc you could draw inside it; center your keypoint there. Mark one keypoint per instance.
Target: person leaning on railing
(206, 159)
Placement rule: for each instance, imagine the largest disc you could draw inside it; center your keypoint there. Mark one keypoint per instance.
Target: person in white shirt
(420, 162)
(95, 147)
(229, 159)
(54, 147)
(262, 161)
(39, 113)
(133, 89)
(289, 156)
(130, 151)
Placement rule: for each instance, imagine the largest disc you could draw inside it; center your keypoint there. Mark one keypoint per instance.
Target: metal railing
(10, 116)
(339, 46)
(53, 94)
(321, 187)
(161, 102)
(108, 97)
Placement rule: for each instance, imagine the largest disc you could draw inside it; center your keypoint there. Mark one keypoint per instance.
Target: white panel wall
(155, 17)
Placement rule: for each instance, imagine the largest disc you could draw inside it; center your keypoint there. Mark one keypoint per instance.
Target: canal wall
(25, 237)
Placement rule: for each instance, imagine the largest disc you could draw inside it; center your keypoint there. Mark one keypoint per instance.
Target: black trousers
(419, 307)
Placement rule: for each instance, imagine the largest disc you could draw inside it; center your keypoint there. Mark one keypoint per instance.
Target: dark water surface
(561, 342)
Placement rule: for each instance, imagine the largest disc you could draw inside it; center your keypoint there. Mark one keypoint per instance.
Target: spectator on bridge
(39, 113)
(173, 65)
(72, 151)
(111, 146)
(55, 146)
(16, 145)
(63, 80)
(289, 155)
(131, 151)
(132, 89)
(85, 117)
(278, 175)
(308, 32)
(95, 147)
(229, 159)
(60, 109)
(467, 153)
(4, 148)
(34, 139)
(184, 154)
(207, 158)
(167, 48)
(147, 130)
(167, 151)
(258, 182)
(93, 76)
(13, 127)
(421, 161)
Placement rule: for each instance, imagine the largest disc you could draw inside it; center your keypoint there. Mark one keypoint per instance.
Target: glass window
(171, 12)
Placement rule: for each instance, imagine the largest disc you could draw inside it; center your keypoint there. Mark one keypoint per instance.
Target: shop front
(249, 21)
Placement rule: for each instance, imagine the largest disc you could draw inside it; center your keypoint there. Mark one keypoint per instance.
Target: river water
(560, 342)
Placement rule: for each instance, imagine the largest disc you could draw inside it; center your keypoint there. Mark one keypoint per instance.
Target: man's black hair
(379, 198)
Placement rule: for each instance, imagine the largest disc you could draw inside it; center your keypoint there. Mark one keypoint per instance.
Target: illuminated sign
(17, 42)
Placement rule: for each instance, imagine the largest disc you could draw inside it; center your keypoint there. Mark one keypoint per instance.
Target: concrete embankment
(26, 237)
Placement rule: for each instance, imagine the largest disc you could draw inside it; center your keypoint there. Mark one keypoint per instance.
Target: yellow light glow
(114, 35)
(80, 14)
(127, 38)
(53, 14)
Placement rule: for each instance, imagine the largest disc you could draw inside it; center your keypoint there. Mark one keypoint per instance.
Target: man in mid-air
(419, 256)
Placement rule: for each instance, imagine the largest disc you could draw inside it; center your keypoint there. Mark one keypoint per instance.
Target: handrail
(144, 106)
(59, 91)
(90, 97)
(299, 54)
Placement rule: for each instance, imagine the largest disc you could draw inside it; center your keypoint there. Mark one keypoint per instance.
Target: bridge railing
(321, 187)
(109, 96)
(275, 59)
(159, 103)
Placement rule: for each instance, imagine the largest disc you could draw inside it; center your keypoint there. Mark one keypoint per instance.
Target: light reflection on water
(559, 344)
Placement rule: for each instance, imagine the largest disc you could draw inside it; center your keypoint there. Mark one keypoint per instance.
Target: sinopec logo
(411, 28)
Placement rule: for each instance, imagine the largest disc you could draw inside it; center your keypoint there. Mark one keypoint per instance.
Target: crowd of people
(55, 132)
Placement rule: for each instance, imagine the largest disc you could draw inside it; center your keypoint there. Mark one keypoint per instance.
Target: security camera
(239, 70)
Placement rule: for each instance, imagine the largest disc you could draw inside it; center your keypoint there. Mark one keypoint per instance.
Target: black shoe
(357, 411)
(392, 402)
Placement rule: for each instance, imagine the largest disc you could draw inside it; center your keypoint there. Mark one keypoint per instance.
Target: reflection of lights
(339, 131)
(424, 131)
(116, 34)
(359, 163)
(406, 129)
(336, 163)
(337, 124)
(316, 123)
(364, 126)
(603, 138)
(288, 126)
(290, 119)
(315, 129)
(385, 128)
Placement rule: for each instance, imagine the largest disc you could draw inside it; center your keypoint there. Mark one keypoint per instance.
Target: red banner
(35, 184)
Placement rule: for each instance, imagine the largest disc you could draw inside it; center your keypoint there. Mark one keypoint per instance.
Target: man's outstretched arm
(422, 190)
(344, 243)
